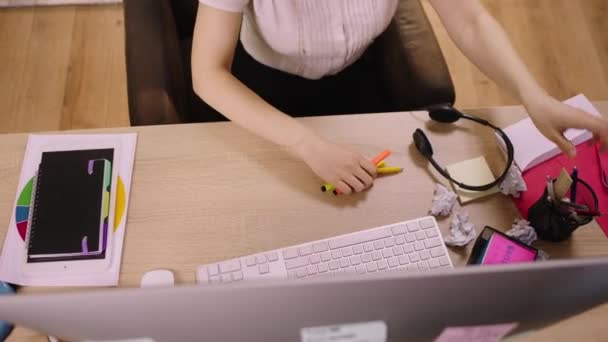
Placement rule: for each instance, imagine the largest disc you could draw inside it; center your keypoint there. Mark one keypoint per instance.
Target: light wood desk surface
(208, 192)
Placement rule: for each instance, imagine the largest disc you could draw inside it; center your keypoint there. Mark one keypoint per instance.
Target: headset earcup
(423, 144)
(444, 113)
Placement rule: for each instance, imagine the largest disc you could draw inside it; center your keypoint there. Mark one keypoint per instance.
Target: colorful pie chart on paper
(22, 211)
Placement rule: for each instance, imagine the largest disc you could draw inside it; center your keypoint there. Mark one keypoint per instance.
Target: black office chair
(159, 36)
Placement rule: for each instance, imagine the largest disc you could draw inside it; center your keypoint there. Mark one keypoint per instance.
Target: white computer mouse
(158, 278)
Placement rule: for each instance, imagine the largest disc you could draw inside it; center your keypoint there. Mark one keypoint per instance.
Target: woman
(325, 39)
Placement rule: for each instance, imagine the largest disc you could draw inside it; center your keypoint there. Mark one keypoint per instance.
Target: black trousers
(356, 89)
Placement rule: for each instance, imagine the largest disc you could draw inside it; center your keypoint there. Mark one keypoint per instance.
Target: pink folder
(588, 161)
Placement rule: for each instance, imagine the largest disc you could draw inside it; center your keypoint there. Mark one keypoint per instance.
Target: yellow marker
(327, 187)
(381, 164)
(389, 169)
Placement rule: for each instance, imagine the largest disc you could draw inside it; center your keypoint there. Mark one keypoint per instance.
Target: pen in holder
(554, 219)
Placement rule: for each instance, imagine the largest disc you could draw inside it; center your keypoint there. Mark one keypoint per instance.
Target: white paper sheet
(532, 148)
(13, 257)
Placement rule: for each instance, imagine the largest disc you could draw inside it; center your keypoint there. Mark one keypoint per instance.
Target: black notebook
(70, 206)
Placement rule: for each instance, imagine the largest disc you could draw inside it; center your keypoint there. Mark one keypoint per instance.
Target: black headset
(445, 113)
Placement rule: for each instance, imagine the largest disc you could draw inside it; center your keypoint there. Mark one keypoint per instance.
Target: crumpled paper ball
(462, 230)
(443, 201)
(513, 183)
(523, 231)
(542, 255)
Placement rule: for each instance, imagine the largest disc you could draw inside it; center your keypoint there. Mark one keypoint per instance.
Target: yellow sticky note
(474, 171)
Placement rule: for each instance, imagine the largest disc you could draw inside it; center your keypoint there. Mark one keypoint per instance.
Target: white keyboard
(410, 246)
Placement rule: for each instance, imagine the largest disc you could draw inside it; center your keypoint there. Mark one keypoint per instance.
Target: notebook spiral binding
(34, 206)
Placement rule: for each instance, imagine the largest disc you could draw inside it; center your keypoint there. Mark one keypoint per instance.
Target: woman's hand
(348, 171)
(552, 118)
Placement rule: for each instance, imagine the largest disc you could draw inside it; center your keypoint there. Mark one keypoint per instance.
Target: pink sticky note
(477, 333)
(501, 250)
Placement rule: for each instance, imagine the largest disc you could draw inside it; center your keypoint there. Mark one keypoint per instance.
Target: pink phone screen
(501, 250)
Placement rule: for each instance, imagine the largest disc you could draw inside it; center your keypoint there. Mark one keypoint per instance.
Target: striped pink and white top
(310, 38)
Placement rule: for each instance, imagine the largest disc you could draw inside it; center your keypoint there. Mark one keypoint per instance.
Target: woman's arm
(484, 42)
(216, 34)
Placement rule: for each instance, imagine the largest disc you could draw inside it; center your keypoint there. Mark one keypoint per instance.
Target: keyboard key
(418, 245)
(260, 259)
(371, 267)
(320, 247)
(334, 265)
(263, 268)
(367, 257)
(305, 250)
(311, 270)
(344, 263)
(432, 243)
(425, 254)
(272, 257)
(237, 276)
(420, 236)
(413, 226)
(350, 270)
(301, 272)
(400, 239)
(215, 279)
(433, 263)
(356, 239)
(347, 251)
(398, 229)
(397, 250)
(437, 252)
(387, 253)
(393, 262)
(326, 256)
(431, 233)
(414, 257)
(376, 255)
(423, 266)
(360, 269)
(323, 268)
(368, 247)
(410, 237)
(291, 274)
(250, 261)
(409, 248)
(355, 260)
(336, 254)
(412, 268)
(290, 253)
(403, 260)
(378, 244)
(427, 223)
(315, 258)
(226, 278)
(295, 263)
(213, 270)
(382, 265)
(358, 249)
(389, 242)
(230, 266)
(444, 261)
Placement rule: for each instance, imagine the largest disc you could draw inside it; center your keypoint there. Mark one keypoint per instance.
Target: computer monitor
(413, 307)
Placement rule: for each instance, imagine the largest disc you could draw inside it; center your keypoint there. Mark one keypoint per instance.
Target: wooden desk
(207, 192)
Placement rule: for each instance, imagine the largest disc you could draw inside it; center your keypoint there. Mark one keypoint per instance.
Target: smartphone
(494, 247)
(69, 228)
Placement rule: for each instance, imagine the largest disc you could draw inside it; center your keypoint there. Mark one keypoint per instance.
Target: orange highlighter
(377, 160)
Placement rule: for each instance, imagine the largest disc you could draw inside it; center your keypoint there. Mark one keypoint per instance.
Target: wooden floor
(63, 67)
